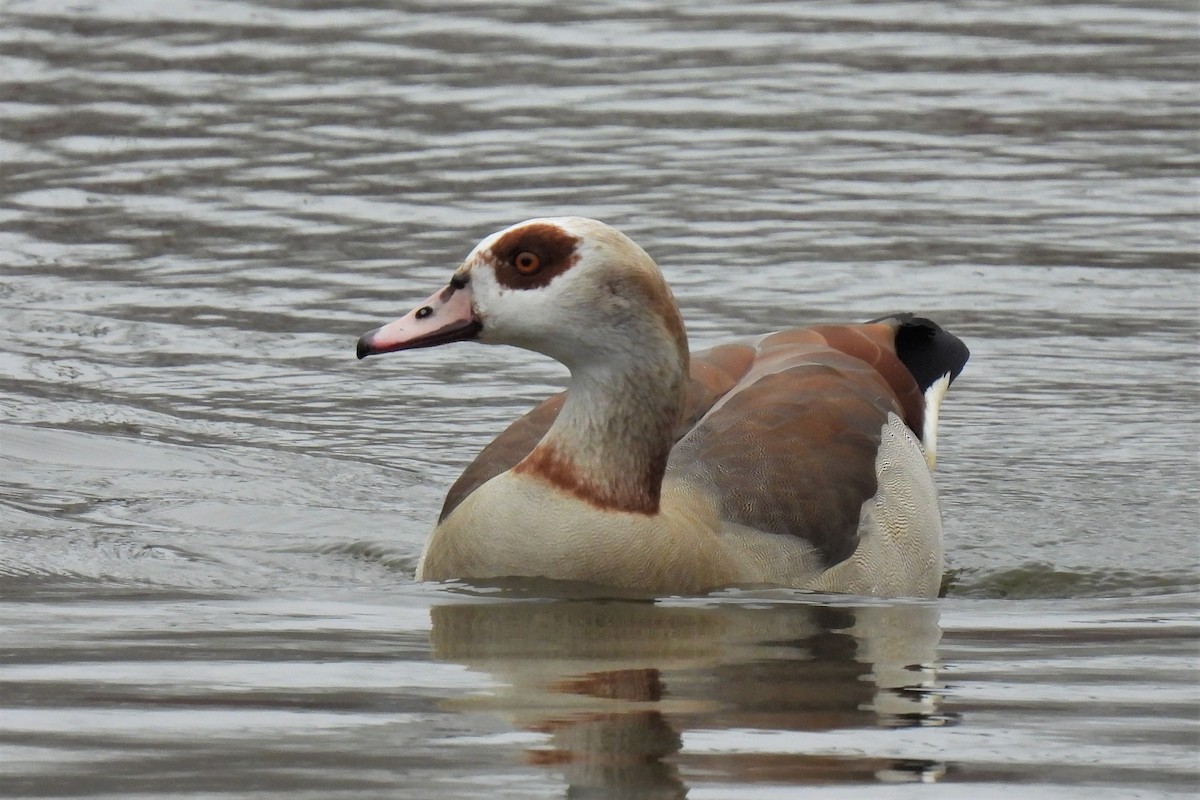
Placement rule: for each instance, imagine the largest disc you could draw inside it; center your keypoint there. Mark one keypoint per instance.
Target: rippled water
(210, 512)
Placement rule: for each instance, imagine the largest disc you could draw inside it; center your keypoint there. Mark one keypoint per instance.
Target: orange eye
(527, 263)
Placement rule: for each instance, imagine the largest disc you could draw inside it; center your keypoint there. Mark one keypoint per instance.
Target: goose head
(574, 289)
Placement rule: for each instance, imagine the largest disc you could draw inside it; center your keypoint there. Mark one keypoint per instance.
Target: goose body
(800, 459)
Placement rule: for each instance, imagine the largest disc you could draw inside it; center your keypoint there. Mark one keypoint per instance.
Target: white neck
(609, 444)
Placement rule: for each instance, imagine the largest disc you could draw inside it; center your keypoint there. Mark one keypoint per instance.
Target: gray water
(210, 513)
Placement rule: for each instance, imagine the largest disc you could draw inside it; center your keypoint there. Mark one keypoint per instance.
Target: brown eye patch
(531, 256)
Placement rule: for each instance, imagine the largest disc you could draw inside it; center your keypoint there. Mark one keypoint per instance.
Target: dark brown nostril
(424, 312)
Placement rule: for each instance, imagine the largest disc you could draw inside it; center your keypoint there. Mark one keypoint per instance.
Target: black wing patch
(928, 350)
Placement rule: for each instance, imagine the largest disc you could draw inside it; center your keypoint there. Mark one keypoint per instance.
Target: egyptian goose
(800, 459)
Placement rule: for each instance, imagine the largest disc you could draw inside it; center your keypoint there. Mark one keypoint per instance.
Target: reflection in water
(621, 687)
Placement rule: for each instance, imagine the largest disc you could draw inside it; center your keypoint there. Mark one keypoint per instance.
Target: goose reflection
(634, 697)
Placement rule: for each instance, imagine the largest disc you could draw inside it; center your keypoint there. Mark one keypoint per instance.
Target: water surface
(210, 513)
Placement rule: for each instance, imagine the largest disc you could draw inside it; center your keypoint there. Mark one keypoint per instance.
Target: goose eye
(527, 263)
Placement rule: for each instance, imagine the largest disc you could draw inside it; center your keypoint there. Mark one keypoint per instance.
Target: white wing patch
(934, 396)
